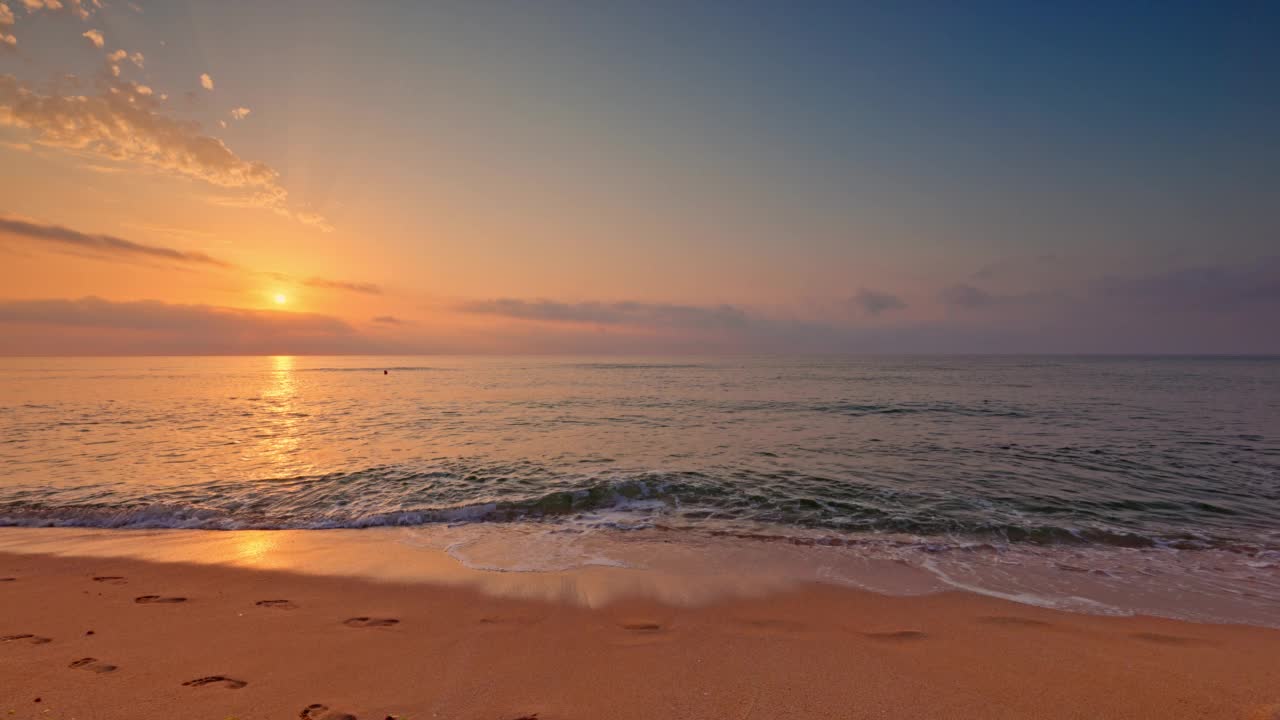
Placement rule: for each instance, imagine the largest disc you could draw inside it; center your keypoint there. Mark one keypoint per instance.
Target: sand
(103, 638)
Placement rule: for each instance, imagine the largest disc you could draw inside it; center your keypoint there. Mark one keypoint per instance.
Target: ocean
(1101, 484)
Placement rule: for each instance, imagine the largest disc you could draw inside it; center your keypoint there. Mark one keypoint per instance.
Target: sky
(237, 177)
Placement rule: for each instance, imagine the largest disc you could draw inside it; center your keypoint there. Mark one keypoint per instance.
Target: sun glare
(281, 299)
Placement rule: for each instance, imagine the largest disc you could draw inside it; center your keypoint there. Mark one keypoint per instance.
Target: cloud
(970, 297)
(873, 302)
(114, 56)
(389, 320)
(7, 40)
(116, 249)
(206, 82)
(94, 325)
(107, 247)
(138, 59)
(80, 8)
(355, 287)
(123, 123)
(616, 313)
(967, 296)
(240, 113)
(157, 315)
(95, 37)
(1208, 288)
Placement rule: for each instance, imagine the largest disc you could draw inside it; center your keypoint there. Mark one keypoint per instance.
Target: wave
(390, 496)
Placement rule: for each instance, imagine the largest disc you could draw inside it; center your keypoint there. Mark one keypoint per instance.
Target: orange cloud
(123, 123)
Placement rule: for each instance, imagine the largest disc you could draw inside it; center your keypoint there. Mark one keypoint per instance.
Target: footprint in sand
(226, 682)
(27, 638)
(7, 579)
(896, 636)
(149, 599)
(277, 604)
(111, 579)
(368, 622)
(316, 711)
(643, 631)
(92, 665)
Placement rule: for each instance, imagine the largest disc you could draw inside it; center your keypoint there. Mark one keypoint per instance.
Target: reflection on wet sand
(666, 573)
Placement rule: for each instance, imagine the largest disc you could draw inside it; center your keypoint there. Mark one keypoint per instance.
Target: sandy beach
(101, 638)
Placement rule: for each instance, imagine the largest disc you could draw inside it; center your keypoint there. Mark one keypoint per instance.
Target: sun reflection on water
(280, 436)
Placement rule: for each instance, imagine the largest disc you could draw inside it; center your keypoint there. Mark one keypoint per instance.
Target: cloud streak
(355, 287)
(94, 325)
(105, 246)
(616, 313)
(118, 249)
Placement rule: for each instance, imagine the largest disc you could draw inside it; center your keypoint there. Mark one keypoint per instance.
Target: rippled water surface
(1151, 467)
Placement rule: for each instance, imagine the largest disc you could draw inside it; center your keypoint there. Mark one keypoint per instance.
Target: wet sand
(101, 638)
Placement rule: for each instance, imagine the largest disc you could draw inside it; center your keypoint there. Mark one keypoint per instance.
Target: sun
(280, 299)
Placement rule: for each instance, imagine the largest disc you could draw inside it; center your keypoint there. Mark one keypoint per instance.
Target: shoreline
(595, 566)
(461, 651)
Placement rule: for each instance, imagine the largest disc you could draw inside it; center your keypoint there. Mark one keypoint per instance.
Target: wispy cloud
(206, 82)
(80, 8)
(355, 287)
(118, 249)
(104, 246)
(390, 320)
(124, 123)
(240, 113)
(7, 40)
